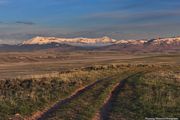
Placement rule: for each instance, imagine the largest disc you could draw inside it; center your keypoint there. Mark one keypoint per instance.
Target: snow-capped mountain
(168, 41)
(103, 40)
(104, 43)
(158, 41)
(153, 45)
(71, 41)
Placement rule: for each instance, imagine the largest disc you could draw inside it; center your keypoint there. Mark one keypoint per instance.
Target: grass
(85, 106)
(152, 94)
(25, 96)
(88, 103)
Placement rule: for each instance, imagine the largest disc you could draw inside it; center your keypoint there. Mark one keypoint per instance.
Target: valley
(89, 84)
(89, 60)
(22, 64)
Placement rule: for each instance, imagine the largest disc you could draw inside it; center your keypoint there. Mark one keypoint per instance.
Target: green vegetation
(151, 94)
(87, 103)
(27, 96)
(144, 91)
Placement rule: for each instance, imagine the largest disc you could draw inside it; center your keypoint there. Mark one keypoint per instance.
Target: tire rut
(103, 113)
(44, 114)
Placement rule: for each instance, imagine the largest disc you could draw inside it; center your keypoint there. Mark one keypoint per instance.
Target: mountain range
(71, 41)
(105, 43)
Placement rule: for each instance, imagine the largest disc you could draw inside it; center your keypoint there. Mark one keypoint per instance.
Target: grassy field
(152, 94)
(84, 105)
(89, 86)
(25, 96)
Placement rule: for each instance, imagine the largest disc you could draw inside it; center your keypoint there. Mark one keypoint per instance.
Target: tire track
(100, 114)
(44, 114)
(103, 113)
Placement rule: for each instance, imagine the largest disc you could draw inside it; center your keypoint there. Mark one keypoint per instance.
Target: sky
(119, 19)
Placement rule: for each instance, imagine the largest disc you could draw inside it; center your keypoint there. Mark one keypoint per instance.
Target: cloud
(17, 23)
(25, 22)
(124, 17)
(123, 14)
(119, 19)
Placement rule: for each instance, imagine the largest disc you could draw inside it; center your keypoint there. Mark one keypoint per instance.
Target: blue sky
(119, 19)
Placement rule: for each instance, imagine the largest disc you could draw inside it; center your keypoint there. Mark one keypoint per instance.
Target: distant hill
(104, 43)
(153, 45)
(35, 47)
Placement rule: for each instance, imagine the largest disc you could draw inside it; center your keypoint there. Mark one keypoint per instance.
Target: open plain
(89, 85)
(19, 64)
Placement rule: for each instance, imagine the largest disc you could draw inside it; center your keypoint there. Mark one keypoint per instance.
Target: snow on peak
(157, 41)
(165, 40)
(47, 40)
(134, 42)
(99, 41)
